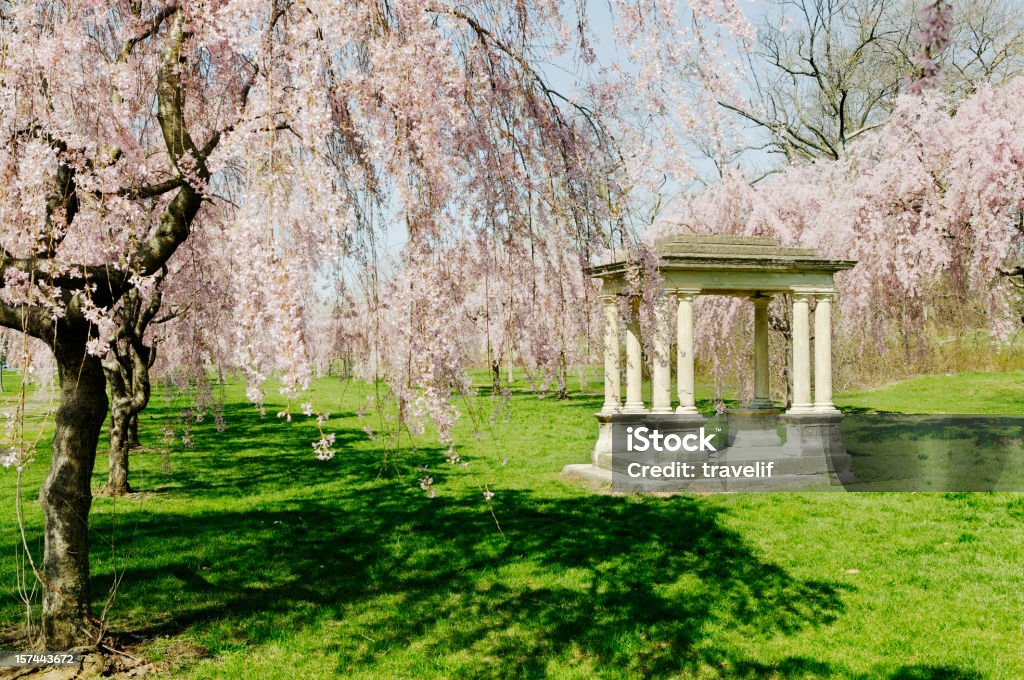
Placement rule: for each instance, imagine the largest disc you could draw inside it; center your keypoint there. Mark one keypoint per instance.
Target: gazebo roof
(730, 265)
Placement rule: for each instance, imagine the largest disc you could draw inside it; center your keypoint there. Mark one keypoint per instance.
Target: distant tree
(128, 373)
(930, 204)
(822, 73)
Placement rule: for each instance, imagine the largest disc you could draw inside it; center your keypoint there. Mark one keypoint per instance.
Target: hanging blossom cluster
(531, 307)
(421, 345)
(514, 189)
(936, 19)
(33, 396)
(503, 304)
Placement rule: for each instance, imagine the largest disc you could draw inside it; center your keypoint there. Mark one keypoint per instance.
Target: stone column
(762, 385)
(661, 374)
(801, 354)
(634, 367)
(612, 347)
(823, 354)
(684, 352)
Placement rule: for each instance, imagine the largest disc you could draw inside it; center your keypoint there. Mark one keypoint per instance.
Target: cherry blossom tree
(930, 204)
(136, 135)
(128, 373)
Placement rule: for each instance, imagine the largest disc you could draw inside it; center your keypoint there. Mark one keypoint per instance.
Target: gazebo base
(742, 451)
(612, 431)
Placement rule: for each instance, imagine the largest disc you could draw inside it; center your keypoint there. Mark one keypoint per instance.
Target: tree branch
(176, 220)
(152, 190)
(152, 26)
(789, 130)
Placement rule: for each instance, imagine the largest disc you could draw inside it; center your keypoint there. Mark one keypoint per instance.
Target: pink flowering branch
(934, 35)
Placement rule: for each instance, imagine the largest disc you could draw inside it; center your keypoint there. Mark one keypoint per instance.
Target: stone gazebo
(753, 267)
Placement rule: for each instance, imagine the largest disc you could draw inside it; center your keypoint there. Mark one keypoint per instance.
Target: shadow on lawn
(594, 400)
(628, 584)
(281, 452)
(655, 576)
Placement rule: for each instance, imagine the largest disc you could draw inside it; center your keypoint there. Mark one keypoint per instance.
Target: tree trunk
(66, 496)
(120, 444)
(128, 375)
(133, 432)
(495, 377)
(563, 377)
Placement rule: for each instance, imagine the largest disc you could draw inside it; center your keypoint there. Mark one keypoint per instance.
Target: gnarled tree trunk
(120, 444)
(128, 375)
(66, 495)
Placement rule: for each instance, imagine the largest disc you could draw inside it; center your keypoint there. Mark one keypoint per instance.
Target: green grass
(247, 558)
(970, 392)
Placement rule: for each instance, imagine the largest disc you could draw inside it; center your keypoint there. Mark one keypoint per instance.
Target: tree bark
(66, 496)
(133, 432)
(120, 444)
(129, 398)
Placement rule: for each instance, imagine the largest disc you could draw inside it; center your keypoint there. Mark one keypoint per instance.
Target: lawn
(962, 393)
(245, 557)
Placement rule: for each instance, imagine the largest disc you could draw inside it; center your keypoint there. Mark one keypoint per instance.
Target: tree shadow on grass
(628, 584)
(912, 452)
(930, 672)
(637, 586)
(250, 454)
(644, 586)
